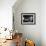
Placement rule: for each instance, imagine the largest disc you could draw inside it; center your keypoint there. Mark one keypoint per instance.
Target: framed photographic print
(28, 18)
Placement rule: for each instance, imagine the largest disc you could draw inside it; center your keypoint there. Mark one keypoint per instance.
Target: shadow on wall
(17, 4)
(15, 10)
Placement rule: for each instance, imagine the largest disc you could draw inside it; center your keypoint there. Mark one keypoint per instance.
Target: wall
(43, 22)
(29, 31)
(6, 13)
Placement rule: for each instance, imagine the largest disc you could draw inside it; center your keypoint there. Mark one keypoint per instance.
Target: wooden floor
(12, 42)
(9, 43)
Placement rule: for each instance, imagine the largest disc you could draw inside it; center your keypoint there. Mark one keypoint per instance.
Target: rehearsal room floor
(9, 43)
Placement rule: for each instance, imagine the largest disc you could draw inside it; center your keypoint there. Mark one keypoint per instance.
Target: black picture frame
(28, 18)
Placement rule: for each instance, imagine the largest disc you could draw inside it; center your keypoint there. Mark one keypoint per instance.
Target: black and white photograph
(28, 18)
